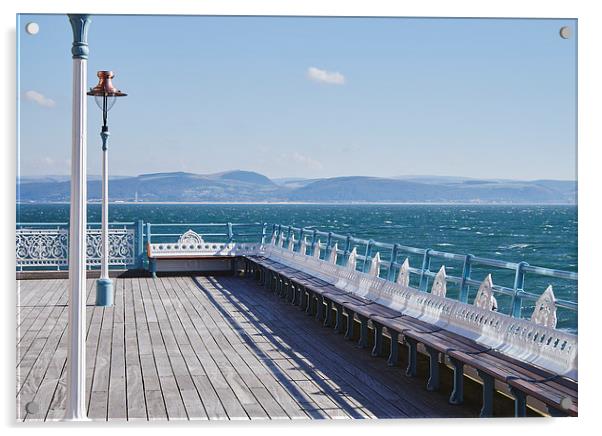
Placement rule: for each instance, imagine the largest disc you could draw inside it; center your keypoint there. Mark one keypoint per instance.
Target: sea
(544, 236)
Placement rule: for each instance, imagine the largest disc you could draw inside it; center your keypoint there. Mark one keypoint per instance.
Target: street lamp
(105, 95)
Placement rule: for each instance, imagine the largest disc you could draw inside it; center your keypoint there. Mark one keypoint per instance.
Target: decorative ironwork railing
(121, 247)
(42, 246)
(45, 246)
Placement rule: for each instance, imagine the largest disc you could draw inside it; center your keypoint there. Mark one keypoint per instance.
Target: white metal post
(104, 265)
(76, 360)
(104, 285)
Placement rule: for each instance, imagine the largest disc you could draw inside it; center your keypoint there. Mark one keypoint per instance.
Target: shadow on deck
(205, 348)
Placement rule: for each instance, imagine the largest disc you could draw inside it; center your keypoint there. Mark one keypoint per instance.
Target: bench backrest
(191, 244)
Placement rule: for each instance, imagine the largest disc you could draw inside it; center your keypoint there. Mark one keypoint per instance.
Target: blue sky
(309, 97)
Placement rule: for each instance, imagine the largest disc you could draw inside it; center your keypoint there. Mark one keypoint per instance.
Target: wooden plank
(117, 404)
(135, 393)
(212, 404)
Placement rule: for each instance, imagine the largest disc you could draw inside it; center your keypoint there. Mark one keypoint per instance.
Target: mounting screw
(32, 28)
(565, 32)
(32, 407)
(566, 403)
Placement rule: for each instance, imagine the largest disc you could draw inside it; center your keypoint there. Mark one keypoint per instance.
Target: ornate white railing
(527, 340)
(47, 247)
(44, 248)
(121, 247)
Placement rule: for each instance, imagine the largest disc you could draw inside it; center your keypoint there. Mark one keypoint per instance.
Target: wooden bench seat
(558, 393)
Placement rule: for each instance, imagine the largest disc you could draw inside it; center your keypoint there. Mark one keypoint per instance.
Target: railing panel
(121, 247)
(43, 247)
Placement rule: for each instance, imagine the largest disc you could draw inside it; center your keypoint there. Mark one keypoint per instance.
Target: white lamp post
(76, 359)
(105, 95)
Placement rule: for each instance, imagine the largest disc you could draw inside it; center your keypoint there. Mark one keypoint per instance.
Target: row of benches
(341, 309)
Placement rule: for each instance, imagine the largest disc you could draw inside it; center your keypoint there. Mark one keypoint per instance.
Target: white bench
(192, 254)
(535, 341)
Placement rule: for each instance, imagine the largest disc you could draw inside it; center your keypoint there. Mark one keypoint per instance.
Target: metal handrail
(392, 252)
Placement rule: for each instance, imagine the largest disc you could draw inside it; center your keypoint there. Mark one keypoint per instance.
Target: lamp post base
(104, 292)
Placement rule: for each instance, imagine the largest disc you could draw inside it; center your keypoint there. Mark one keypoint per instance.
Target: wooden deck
(183, 348)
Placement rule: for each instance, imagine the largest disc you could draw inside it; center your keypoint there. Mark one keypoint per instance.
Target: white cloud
(40, 99)
(323, 76)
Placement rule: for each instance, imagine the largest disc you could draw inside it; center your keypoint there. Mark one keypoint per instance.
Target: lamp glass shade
(111, 99)
(106, 89)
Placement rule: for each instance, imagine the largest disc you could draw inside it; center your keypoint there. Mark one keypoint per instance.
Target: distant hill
(245, 177)
(248, 186)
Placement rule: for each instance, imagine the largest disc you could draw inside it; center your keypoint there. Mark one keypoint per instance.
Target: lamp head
(105, 90)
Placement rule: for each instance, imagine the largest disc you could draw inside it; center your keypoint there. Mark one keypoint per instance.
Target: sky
(308, 97)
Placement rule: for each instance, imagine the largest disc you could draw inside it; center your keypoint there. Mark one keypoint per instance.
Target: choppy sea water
(540, 235)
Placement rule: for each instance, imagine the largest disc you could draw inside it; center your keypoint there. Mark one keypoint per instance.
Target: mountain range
(248, 186)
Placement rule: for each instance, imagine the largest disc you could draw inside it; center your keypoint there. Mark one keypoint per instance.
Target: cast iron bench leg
(302, 298)
(271, 281)
(349, 330)
(319, 308)
(433, 381)
(378, 339)
(287, 290)
(488, 385)
(328, 317)
(153, 268)
(394, 353)
(457, 395)
(412, 349)
(284, 288)
(278, 284)
(363, 341)
(293, 299)
(520, 402)
(310, 298)
(339, 326)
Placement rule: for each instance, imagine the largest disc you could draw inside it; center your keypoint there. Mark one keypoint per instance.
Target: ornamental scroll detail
(403, 278)
(485, 298)
(191, 237)
(545, 309)
(50, 247)
(121, 247)
(42, 247)
(440, 284)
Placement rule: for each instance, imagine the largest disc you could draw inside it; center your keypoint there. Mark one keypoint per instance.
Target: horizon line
(38, 176)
